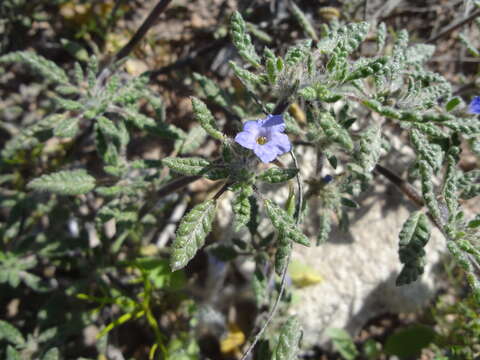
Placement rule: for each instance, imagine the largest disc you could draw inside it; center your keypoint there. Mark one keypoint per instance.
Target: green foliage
(288, 341)
(284, 223)
(73, 182)
(206, 119)
(277, 175)
(242, 40)
(413, 238)
(241, 205)
(191, 234)
(48, 69)
(343, 343)
(410, 341)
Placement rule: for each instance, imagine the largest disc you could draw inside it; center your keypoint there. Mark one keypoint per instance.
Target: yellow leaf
(303, 275)
(234, 339)
(296, 111)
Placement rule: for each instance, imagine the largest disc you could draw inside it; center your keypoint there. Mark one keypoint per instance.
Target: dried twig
(454, 26)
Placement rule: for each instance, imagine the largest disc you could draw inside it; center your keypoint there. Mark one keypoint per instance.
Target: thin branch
(272, 313)
(187, 60)
(169, 188)
(454, 26)
(142, 30)
(403, 185)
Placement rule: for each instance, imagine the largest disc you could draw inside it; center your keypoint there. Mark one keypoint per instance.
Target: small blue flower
(265, 137)
(474, 106)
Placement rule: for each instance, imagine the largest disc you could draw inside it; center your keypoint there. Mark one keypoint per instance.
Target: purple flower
(265, 137)
(474, 106)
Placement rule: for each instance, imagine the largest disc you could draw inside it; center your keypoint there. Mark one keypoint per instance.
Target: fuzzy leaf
(13, 354)
(73, 182)
(284, 223)
(413, 238)
(288, 342)
(242, 40)
(284, 248)
(428, 189)
(67, 128)
(206, 119)
(191, 234)
(427, 151)
(325, 226)
(46, 68)
(195, 166)
(335, 132)
(277, 175)
(52, 354)
(194, 139)
(241, 206)
(299, 15)
(10, 333)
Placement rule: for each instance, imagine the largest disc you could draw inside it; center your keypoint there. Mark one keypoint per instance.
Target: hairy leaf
(242, 40)
(284, 223)
(46, 68)
(10, 333)
(413, 238)
(206, 119)
(73, 182)
(277, 175)
(191, 234)
(288, 342)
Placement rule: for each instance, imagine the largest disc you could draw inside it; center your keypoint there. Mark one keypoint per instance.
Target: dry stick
(453, 27)
(142, 30)
(272, 313)
(403, 185)
(139, 34)
(411, 193)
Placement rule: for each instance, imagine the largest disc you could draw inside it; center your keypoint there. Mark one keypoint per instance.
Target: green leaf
(211, 91)
(277, 175)
(13, 354)
(206, 119)
(10, 334)
(324, 228)
(46, 68)
(242, 40)
(284, 223)
(452, 104)
(427, 151)
(409, 342)
(52, 354)
(414, 236)
(194, 139)
(288, 342)
(299, 15)
(249, 79)
(284, 248)
(195, 166)
(67, 128)
(335, 132)
(73, 182)
(191, 233)
(373, 67)
(241, 206)
(428, 189)
(343, 343)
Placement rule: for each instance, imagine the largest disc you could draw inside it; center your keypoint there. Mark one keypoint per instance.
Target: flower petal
(266, 153)
(252, 126)
(280, 142)
(474, 106)
(246, 139)
(274, 123)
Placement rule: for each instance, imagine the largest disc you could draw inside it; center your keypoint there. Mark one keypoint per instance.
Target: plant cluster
(74, 197)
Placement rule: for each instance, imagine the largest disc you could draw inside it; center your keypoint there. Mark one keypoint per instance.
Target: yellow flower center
(262, 140)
